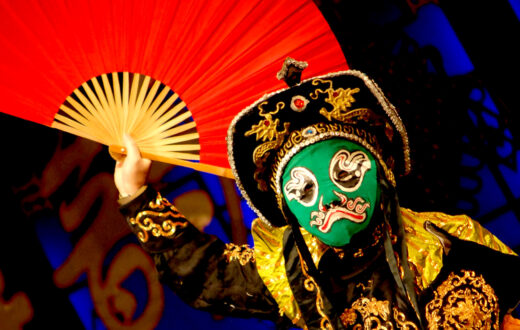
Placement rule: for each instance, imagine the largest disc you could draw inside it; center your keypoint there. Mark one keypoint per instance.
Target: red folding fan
(172, 73)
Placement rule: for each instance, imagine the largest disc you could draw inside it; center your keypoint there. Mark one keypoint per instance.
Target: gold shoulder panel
(425, 251)
(271, 266)
(510, 323)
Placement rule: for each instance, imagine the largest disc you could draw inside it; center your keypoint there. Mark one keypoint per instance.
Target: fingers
(131, 172)
(117, 176)
(146, 163)
(132, 150)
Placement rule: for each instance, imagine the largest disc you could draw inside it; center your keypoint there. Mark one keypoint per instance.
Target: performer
(333, 249)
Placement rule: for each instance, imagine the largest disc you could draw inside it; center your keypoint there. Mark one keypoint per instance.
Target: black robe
(475, 287)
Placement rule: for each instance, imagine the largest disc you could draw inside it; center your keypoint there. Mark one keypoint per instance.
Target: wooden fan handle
(119, 153)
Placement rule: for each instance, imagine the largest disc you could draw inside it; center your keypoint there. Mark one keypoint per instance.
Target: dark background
(450, 68)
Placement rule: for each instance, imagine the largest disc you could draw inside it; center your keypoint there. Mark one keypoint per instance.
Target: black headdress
(264, 136)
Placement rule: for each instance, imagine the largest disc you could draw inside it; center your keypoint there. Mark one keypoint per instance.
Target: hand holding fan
(170, 73)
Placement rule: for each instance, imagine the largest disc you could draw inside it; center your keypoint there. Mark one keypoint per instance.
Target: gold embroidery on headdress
(297, 136)
(297, 140)
(341, 99)
(463, 301)
(266, 130)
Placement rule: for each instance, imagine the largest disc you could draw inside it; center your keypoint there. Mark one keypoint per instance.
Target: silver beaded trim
(231, 159)
(324, 136)
(372, 86)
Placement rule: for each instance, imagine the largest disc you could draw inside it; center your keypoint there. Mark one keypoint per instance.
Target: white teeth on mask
(319, 217)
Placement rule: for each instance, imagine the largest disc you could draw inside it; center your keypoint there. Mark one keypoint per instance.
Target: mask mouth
(353, 210)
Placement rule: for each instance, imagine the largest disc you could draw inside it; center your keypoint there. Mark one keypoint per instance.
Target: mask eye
(342, 175)
(302, 186)
(348, 169)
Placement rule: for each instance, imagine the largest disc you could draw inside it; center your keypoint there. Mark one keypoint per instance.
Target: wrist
(129, 190)
(126, 197)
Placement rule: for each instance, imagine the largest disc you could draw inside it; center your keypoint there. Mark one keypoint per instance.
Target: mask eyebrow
(302, 183)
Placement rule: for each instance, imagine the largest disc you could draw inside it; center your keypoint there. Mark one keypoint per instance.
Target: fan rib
(71, 123)
(219, 56)
(93, 105)
(148, 108)
(82, 111)
(217, 170)
(163, 114)
(180, 138)
(99, 130)
(111, 115)
(171, 155)
(156, 113)
(178, 129)
(179, 147)
(125, 92)
(74, 131)
(221, 171)
(73, 114)
(139, 113)
(158, 135)
(161, 124)
(104, 105)
(175, 119)
(132, 111)
(117, 98)
(112, 104)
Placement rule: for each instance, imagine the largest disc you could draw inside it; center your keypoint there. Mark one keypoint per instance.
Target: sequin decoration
(299, 103)
(266, 130)
(241, 253)
(341, 99)
(375, 314)
(463, 301)
(309, 131)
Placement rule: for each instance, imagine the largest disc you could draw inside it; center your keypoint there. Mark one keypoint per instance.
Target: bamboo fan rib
(199, 62)
(106, 107)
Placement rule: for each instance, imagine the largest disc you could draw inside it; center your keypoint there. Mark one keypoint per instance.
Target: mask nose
(335, 203)
(333, 199)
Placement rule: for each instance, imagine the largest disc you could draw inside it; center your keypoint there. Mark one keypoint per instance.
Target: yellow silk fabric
(424, 252)
(510, 323)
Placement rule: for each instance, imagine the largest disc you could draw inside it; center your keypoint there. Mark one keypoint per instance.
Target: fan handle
(119, 153)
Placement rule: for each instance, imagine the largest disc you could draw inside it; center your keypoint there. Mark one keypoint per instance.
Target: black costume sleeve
(204, 271)
(482, 266)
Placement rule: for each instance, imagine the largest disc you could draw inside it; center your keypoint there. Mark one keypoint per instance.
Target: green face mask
(332, 189)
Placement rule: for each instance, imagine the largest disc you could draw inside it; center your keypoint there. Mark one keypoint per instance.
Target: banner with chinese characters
(66, 244)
